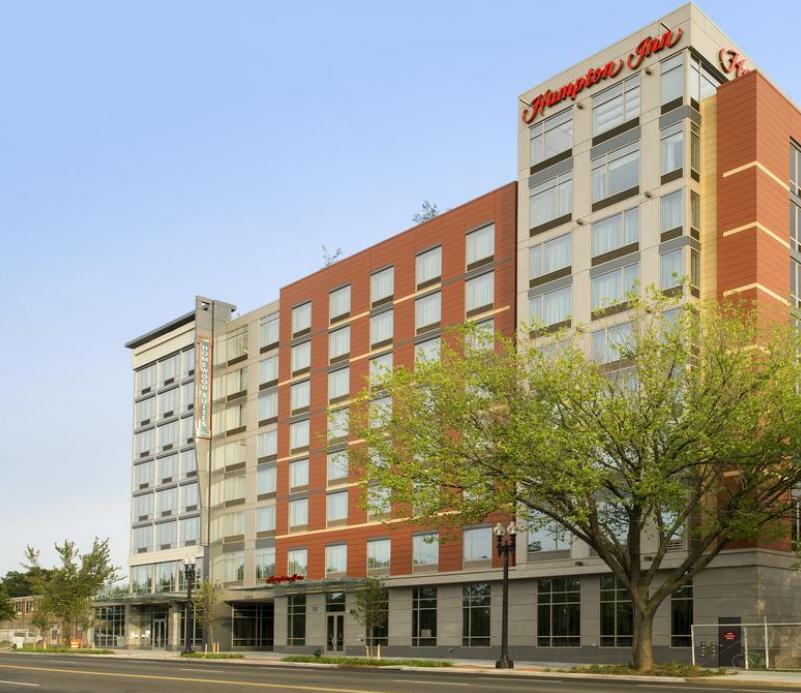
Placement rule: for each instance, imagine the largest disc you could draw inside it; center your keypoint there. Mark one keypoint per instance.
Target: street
(74, 674)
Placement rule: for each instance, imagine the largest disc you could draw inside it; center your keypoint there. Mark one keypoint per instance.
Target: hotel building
(664, 155)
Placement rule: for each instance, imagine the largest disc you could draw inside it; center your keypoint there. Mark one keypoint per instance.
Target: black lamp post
(189, 576)
(505, 539)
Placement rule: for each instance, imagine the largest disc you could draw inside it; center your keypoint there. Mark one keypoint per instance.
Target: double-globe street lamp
(505, 540)
(189, 577)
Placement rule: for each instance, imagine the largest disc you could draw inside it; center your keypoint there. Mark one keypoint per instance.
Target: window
(672, 71)
(681, 616)
(476, 614)
(382, 285)
(298, 473)
(141, 578)
(300, 393)
(296, 619)
(702, 82)
(234, 566)
(297, 561)
(267, 444)
(144, 443)
(268, 406)
(425, 549)
(424, 616)
(299, 435)
(672, 148)
(188, 464)
(671, 268)
(232, 524)
(550, 256)
(617, 105)
(142, 539)
(617, 627)
(558, 612)
(380, 367)
(479, 292)
(268, 331)
(143, 475)
(301, 357)
(167, 535)
(143, 507)
(381, 327)
(428, 266)
(616, 172)
(301, 319)
(338, 384)
(338, 424)
(428, 311)
(379, 503)
(695, 151)
(337, 507)
(268, 369)
(695, 211)
(337, 466)
(480, 246)
(477, 544)
(339, 303)
(145, 379)
(236, 381)
(187, 430)
(428, 350)
(378, 555)
(379, 411)
(265, 519)
(339, 343)
(168, 369)
(145, 411)
(610, 288)
(671, 211)
(616, 231)
(551, 199)
(190, 531)
(190, 498)
(551, 308)
(187, 396)
(611, 344)
(550, 536)
(235, 416)
(795, 171)
(298, 513)
(551, 136)
(336, 559)
(168, 468)
(236, 344)
(168, 403)
(265, 562)
(265, 480)
(165, 577)
(166, 502)
(234, 488)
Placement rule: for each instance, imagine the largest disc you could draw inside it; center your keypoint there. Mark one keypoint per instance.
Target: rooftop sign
(648, 46)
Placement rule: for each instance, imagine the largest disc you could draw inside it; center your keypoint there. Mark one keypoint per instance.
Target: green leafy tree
(688, 428)
(6, 607)
(208, 606)
(17, 584)
(427, 211)
(372, 611)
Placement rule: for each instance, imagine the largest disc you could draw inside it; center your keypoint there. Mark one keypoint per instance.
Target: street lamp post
(189, 576)
(505, 539)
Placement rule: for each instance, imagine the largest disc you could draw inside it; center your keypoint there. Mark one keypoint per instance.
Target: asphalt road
(75, 674)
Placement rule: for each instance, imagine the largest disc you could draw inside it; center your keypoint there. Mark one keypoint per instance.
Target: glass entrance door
(159, 633)
(335, 633)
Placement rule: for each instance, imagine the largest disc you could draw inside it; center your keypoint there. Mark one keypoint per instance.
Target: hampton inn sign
(648, 46)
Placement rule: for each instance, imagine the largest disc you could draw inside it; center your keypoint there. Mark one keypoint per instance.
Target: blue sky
(143, 145)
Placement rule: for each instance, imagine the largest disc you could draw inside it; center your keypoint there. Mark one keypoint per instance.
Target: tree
(6, 607)
(428, 211)
(208, 606)
(17, 584)
(688, 424)
(67, 590)
(329, 258)
(372, 611)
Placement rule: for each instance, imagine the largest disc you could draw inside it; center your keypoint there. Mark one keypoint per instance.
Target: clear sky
(150, 151)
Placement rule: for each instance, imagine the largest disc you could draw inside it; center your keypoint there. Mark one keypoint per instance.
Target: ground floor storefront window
(681, 616)
(196, 624)
(109, 626)
(559, 612)
(476, 614)
(617, 622)
(296, 620)
(252, 625)
(424, 616)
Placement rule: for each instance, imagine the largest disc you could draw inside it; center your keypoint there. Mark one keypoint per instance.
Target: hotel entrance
(335, 622)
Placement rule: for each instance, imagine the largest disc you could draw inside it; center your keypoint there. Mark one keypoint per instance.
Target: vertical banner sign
(203, 387)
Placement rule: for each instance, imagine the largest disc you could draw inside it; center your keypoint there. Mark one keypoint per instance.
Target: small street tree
(372, 611)
(684, 428)
(208, 607)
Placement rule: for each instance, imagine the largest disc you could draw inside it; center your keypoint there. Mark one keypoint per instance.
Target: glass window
(672, 148)
(379, 411)
(188, 463)
(425, 549)
(550, 536)
(236, 381)
(167, 468)
(616, 172)
(339, 343)
(297, 561)
(268, 331)
(167, 535)
(337, 506)
(190, 531)
(300, 394)
(168, 369)
(187, 396)
(695, 210)
(265, 519)
(702, 82)
(379, 503)
(301, 318)
(265, 480)
(268, 405)
(338, 424)
(558, 612)
(429, 266)
(338, 384)
(616, 231)
(142, 539)
(610, 288)
(296, 619)
(298, 473)
(380, 367)
(234, 566)
(168, 403)
(382, 285)
(480, 245)
(795, 168)
(144, 442)
(167, 502)
(428, 311)
(141, 578)
(551, 199)
(617, 627)
(143, 507)
(671, 268)
(483, 336)
(336, 559)
(339, 303)
(190, 497)
(165, 576)
(143, 475)
(428, 350)
(145, 411)
(477, 544)
(551, 136)
(672, 71)
(476, 599)
(671, 211)
(550, 256)
(268, 369)
(299, 435)
(265, 562)
(616, 105)
(337, 465)
(551, 308)
(681, 616)
(234, 488)
(299, 513)
(424, 616)
(301, 357)
(267, 444)
(145, 379)
(378, 556)
(480, 292)
(612, 343)
(381, 327)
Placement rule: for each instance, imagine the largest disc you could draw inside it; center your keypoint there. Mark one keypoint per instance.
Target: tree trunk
(643, 649)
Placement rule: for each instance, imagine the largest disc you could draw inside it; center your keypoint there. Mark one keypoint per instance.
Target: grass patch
(367, 662)
(60, 649)
(679, 669)
(213, 655)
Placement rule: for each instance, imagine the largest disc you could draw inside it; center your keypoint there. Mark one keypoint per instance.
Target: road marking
(436, 683)
(203, 670)
(189, 679)
(19, 683)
